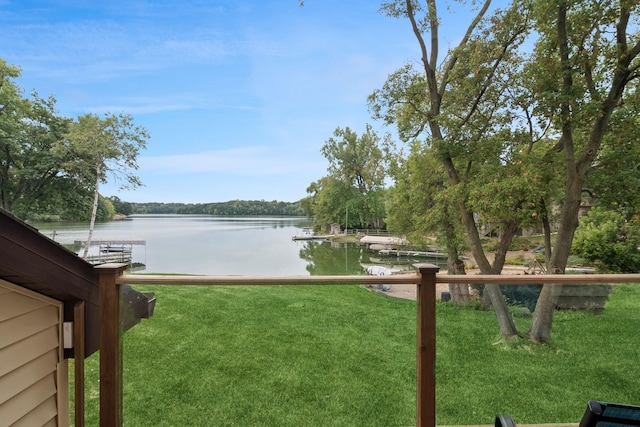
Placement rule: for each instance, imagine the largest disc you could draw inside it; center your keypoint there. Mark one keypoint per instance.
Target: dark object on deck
(610, 414)
(504, 421)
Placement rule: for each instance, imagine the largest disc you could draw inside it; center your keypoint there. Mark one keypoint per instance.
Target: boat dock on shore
(119, 251)
(310, 237)
(391, 246)
(308, 234)
(416, 254)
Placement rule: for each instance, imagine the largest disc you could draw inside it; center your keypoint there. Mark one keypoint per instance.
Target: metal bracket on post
(426, 346)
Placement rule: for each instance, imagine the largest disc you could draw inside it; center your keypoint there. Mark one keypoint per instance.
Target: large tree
(354, 185)
(566, 91)
(457, 107)
(37, 172)
(586, 60)
(108, 148)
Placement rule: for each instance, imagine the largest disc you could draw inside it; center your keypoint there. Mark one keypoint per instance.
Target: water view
(200, 244)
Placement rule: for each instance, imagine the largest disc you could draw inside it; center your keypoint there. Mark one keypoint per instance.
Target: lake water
(216, 245)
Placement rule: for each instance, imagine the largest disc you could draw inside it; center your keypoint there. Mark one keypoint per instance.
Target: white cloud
(257, 160)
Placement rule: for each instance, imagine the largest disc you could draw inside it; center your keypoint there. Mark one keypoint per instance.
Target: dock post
(426, 346)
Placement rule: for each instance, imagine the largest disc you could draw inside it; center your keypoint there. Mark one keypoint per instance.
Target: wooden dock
(311, 237)
(418, 254)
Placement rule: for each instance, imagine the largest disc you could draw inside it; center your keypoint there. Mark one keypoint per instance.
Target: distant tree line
(232, 207)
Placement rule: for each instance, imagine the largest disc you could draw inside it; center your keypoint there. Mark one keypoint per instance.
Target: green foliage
(582, 77)
(121, 207)
(479, 166)
(39, 176)
(519, 259)
(49, 165)
(518, 131)
(607, 239)
(109, 145)
(106, 210)
(419, 205)
(524, 243)
(353, 191)
(614, 181)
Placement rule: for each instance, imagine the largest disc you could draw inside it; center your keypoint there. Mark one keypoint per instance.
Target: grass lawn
(343, 356)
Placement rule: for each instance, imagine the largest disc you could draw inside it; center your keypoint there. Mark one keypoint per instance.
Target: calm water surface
(216, 245)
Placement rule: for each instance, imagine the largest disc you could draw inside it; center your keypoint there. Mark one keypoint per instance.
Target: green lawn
(342, 356)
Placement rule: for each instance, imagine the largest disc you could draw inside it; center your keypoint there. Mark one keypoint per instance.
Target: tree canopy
(107, 146)
(518, 113)
(51, 165)
(353, 191)
(38, 172)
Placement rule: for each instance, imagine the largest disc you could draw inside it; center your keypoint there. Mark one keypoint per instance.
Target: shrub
(608, 240)
(521, 243)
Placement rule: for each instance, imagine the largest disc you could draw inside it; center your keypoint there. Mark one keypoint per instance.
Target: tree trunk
(506, 236)
(503, 314)
(545, 306)
(547, 238)
(436, 92)
(459, 292)
(94, 212)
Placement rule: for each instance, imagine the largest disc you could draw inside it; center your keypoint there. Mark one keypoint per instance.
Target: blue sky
(238, 96)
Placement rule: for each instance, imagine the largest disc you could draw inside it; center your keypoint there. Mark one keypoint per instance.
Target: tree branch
(454, 57)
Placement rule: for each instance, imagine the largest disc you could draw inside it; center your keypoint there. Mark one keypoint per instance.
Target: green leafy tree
(609, 240)
(614, 182)
(585, 63)
(354, 188)
(105, 210)
(37, 177)
(458, 108)
(418, 207)
(108, 147)
(330, 200)
(234, 207)
(120, 206)
(568, 91)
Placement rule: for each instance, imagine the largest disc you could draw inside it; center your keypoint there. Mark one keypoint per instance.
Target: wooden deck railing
(112, 278)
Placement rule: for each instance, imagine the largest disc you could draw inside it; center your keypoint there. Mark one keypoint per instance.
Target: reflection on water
(201, 244)
(327, 258)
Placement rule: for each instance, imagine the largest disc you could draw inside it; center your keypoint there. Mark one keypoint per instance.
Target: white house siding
(32, 370)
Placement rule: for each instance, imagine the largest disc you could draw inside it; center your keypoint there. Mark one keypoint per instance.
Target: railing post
(426, 346)
(110, 345)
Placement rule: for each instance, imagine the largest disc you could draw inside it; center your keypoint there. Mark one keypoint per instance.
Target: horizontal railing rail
(396, 279)
(112, 278)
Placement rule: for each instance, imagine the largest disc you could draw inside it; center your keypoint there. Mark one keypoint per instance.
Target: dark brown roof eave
(32, 260)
